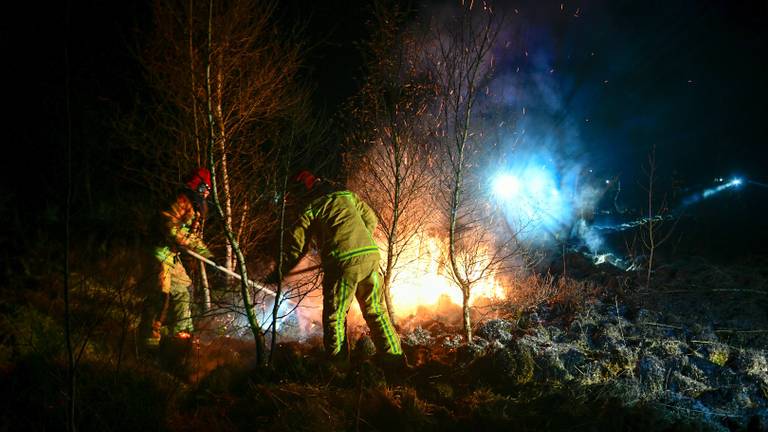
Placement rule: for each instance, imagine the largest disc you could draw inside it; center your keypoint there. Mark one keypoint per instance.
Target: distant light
(531, 194)
(735, 182)
(607, 182)
(506, 186)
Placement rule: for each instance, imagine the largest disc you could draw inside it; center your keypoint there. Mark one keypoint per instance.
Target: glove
(204, 252)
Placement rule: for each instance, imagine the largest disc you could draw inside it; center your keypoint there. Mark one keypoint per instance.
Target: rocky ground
(693, 346)
(601, 352)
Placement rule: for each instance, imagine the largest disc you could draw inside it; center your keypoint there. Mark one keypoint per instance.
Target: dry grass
(525, 293)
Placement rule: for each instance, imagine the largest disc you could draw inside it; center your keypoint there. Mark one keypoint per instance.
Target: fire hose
(257, 285)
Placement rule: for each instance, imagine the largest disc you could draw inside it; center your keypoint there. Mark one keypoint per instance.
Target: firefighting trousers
(357, 277)
(169, 304)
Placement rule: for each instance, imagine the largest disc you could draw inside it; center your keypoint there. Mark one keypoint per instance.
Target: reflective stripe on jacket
(342, 225)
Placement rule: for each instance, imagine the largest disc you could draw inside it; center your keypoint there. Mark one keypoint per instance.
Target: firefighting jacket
(342, 225)
(180, 227)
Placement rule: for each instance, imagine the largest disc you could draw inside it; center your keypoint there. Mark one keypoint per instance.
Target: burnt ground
(600, 352)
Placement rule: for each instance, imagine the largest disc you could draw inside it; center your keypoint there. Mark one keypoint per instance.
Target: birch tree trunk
(253, 324)
(227, 196)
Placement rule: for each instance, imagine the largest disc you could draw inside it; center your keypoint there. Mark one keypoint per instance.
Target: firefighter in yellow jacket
(342, 226)
(181, 223)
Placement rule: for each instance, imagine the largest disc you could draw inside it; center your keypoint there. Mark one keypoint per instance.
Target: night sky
(688, 76)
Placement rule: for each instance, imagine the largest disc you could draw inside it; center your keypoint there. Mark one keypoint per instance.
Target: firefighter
(342, 226)
(181, 225)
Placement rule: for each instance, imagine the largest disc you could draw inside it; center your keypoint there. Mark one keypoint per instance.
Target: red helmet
(307, 178)
(199, 176)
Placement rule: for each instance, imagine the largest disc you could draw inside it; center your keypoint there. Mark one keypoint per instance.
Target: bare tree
(461, 62)
(252, 68)
(655, 232)
(251, 77)
(225, 75)
(391, 136)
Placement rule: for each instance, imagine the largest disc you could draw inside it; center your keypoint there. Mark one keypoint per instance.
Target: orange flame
(421, 279)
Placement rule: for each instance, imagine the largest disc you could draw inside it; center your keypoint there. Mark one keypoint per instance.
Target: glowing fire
(421, 279)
